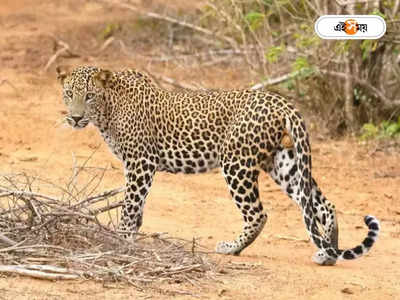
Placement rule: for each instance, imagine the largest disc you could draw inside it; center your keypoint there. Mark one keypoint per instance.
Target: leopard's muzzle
(77, 122)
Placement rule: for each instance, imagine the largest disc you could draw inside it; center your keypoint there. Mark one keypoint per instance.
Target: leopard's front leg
(139, 176)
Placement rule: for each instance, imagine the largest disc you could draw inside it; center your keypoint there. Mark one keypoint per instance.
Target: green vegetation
(386, 129)
(347, 83)
(272, 54)
(109, 30)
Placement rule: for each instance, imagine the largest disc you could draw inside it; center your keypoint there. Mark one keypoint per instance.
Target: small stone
(221, 292)
(347, 291)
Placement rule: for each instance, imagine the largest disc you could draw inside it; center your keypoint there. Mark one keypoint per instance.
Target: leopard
(243, 132)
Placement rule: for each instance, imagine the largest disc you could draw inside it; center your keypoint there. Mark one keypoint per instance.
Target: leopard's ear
(102, 78)
(62, 73)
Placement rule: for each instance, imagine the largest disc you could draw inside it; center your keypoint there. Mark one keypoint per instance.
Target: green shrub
(386, 129)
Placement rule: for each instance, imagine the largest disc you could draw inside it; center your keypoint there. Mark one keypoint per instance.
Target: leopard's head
(83, 93)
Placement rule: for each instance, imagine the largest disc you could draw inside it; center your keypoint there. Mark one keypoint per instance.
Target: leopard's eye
(69, 93)
(90, 96)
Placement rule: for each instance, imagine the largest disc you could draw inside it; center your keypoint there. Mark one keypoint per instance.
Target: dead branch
(68, 241)
(108, 207)
(5, 193)
(7, 241)
(172, 82)
(173, 21)
(379, 94)
(202, 55)
(63, 51)
(100, 197)
(41, 272)
(351, 2)
(274, 81)
(106, 43)
(222, 56)
(291, 238)
(395, 8)
(53, 58)
(5, 81)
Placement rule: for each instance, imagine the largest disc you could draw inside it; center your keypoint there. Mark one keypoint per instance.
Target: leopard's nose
(76, 118)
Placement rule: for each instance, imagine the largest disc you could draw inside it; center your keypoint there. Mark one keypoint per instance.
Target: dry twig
(6, 240)
(5, 81)
(63, 51)
(61, 237)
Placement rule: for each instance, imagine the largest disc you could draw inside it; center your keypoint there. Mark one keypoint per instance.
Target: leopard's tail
(373, 232)
(327, 252)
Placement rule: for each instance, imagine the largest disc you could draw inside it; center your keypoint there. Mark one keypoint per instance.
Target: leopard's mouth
(77, 123)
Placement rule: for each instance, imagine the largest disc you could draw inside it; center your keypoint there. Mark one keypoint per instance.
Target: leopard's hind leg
(283, 169)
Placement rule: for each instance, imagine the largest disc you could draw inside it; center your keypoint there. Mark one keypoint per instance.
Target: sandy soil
(359, 179)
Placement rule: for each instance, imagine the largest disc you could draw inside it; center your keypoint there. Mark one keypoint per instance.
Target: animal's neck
(104, 113)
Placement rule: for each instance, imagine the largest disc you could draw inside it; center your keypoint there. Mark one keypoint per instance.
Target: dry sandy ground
(360, 180)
